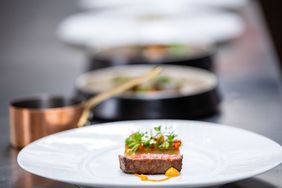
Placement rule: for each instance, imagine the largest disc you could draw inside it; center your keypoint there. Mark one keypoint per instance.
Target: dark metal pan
(200, 56)
(199, 99)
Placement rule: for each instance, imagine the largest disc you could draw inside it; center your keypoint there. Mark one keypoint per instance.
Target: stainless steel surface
(33, 61)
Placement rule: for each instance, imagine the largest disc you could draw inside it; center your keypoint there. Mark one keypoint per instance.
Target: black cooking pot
(194, 56)
(198, 98)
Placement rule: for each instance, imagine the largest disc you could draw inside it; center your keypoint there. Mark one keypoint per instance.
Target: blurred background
(232, 46)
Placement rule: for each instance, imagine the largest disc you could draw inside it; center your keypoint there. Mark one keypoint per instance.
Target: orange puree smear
(170, 173)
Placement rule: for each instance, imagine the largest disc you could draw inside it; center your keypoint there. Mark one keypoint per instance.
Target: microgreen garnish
(156, 138)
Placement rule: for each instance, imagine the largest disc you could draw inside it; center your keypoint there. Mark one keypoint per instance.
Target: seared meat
(150, 163)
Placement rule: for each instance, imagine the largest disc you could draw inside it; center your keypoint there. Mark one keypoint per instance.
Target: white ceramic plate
(149, 26)
(213, 155)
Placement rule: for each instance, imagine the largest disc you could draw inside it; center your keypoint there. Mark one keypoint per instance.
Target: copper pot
(37, 117)
(33, 118)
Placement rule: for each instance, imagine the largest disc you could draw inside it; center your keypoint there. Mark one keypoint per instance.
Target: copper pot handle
(94, 101)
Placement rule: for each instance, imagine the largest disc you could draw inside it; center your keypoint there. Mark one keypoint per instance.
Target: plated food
(214, 154)
(179, 92)
(154, 151)
(173, 81)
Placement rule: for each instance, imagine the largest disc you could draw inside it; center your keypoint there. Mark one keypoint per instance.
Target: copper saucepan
(33, 118)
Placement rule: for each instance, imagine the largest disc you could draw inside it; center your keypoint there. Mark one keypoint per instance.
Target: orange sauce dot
(171, 172)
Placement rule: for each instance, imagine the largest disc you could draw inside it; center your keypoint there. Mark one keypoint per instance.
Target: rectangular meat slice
(150, 163)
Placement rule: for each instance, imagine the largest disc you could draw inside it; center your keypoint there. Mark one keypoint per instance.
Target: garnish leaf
(157, 129)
